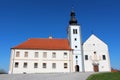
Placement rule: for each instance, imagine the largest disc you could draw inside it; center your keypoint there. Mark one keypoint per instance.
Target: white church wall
(95, 49)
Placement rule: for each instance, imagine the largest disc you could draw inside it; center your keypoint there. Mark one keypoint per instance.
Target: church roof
(44, 44)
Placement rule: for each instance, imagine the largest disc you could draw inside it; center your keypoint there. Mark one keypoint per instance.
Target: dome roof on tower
(73, 20)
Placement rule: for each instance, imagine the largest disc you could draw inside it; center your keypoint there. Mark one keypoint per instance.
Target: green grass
(105, 76)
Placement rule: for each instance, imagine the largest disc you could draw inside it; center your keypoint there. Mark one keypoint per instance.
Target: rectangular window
(86, 57)
(26, 54)
(44, 65)
(16, 64)
(35, 65)
(17, 54)
(104, 57)
(53, 65)
(74, 31)
(65, 54)
(65, 65)
(25, 65)
(53, 55)
(36, 55)
(44, 54)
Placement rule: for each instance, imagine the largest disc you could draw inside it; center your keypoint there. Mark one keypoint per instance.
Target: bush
(2, 71)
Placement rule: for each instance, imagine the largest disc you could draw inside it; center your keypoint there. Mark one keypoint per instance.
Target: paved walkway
(57, 76)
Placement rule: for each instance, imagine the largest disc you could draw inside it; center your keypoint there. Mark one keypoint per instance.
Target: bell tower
(74, 37)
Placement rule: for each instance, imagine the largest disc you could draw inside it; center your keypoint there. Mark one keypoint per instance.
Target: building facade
(96, 55)
(50, 55)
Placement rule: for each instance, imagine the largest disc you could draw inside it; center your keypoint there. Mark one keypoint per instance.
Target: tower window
(75, 46)
(104, 57)
(74, 31)
(53, 65)
(86, 57)
(75, 39)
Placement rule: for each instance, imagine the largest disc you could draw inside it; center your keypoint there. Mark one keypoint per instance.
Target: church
(57, 55)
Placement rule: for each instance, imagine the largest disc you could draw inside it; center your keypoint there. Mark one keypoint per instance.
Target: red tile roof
(44, 44)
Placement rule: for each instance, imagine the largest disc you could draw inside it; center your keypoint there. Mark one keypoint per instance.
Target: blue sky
(24, 19)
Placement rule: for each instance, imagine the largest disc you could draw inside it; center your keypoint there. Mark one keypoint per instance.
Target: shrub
(2, 71)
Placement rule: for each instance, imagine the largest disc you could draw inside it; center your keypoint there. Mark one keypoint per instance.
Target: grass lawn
(105, 76)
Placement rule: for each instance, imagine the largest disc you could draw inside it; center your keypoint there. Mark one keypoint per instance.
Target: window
(36, 55)
(65, 65)
(35, 65)
(104, 57)
(25, 65)
(53, 55)
(74, 31)
(65, 54)
(53, 65)
(75, 39)
(76, 57)
(44, 65)
(94, 52)
(75, 46)
(44, 54)
(26, 54)
(17, 54)
(86, 57)
(16, 64)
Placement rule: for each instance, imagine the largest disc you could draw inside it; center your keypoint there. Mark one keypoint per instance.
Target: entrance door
(77, 68)
(96, 69)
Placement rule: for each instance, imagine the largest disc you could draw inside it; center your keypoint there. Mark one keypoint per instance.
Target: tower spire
(73, 20)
